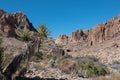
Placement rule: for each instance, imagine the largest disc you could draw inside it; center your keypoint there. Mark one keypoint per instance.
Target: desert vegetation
(23, 35)
(85, 67)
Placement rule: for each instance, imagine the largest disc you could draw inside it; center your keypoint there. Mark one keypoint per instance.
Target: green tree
(43, 33)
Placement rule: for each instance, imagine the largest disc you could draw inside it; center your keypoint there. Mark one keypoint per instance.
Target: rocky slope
(11, 23)
(101, 42)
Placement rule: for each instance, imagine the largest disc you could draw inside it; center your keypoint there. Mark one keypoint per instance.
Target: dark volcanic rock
(10, 23)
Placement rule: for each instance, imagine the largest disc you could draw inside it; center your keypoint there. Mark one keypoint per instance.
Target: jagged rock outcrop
(105, 31)
(22, 21)
(62, 39)
(10, 23)
(77, 36)
(97, 34)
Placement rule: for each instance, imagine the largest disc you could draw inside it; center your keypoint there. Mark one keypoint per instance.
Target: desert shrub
(23, 35)
(39, 55)
(51, 57)
(43, 31)
(68, 66)
(95, 70)
(92, 66)
(60, 58)
(83, 66)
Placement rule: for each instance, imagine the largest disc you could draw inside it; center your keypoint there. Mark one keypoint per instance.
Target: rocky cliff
(10, 23)
(97, 34)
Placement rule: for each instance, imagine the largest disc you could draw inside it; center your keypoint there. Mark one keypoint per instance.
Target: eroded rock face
(105, 31)
(62, 39)
(77, 36)
(98, 34)
(7, 26)
(22, 21)
(10, 23)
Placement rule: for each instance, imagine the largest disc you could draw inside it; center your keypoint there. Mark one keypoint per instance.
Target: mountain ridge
(11, 23)
(97, 34)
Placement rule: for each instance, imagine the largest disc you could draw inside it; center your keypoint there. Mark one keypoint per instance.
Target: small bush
(39, 55)
(49, 57)
(68, 66)
(24, 35)
(58, 58)
(95, 70)
(92, 67)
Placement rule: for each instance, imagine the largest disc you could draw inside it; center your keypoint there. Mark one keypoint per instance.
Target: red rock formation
(98, 34)
(105, 31)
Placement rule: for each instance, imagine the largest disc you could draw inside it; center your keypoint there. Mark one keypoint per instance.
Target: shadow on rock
(36, 78)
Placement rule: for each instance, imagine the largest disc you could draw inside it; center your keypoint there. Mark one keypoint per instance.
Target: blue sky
(64, 16)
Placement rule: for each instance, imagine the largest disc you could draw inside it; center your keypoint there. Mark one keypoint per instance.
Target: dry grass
(115, 76)
(68, 66)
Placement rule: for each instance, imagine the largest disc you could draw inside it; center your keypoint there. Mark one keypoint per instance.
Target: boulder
(56, 52)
